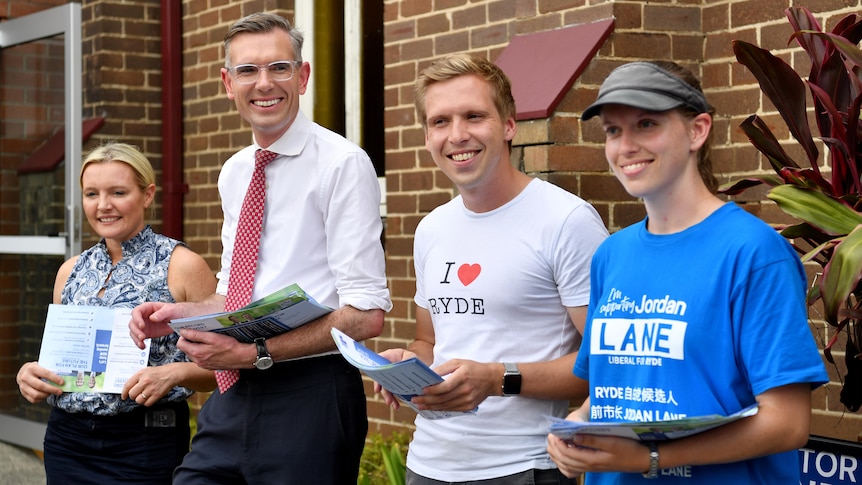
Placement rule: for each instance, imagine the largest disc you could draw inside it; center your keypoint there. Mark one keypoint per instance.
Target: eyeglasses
(278, 71)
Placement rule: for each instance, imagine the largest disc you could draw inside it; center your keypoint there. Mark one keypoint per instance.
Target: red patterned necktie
(245, 247)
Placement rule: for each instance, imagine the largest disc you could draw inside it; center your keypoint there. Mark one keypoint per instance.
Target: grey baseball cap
(646, 86)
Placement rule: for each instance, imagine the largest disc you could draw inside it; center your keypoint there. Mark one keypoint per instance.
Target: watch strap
(261, 347)
(653, 460)
(264, 359)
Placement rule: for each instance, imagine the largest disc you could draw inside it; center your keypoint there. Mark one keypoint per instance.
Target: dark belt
(161, 415)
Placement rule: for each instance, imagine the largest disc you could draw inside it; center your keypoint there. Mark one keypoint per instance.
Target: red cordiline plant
(827, 200)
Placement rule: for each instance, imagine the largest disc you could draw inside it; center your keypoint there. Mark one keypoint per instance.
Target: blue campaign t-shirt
(697, 323)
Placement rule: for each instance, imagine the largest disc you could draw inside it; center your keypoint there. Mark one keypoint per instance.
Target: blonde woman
(141, 435)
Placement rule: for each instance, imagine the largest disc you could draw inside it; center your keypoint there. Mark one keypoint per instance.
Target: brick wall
(123, 85)
(122, 76)
(569, 153)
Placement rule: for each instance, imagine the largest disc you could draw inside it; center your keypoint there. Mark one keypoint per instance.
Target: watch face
(512, 384)
(263, 363)
(511, 379)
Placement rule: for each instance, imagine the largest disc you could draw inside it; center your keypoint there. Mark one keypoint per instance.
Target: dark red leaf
(762, 138)
(849, 27)
(802, 19)
(739, 186)
(782, 85)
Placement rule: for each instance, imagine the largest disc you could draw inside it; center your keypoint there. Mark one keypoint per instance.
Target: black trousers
(299, 422)
(139, 447)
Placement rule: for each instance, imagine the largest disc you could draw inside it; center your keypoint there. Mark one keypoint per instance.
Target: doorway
(40, 215)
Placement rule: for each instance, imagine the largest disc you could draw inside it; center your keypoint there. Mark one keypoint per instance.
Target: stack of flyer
(404, 379)
(272, 315)
(90, 347)
(648, 431)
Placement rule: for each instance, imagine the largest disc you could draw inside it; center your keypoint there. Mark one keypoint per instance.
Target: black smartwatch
(263, 360)
(511, 379)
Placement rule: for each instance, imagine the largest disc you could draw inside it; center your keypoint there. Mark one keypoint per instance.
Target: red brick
(469, 17)
(672, 18)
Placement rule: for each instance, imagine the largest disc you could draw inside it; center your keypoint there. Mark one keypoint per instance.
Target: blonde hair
(456, 65)
(123, 153)
(145, 176)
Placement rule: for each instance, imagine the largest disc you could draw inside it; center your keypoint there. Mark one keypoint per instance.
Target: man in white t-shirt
(502, 284)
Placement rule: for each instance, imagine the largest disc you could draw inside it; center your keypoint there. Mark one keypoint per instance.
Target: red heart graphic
(468, 273)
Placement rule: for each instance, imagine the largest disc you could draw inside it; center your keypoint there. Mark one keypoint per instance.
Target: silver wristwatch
(653, 461)
(263, 360)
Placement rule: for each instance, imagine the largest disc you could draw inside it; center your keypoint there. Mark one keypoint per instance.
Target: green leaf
(380, 450)
(841, 276)
(816, 208)
(394, 464)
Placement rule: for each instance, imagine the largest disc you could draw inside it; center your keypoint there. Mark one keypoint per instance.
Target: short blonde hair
(124, 153)
(456, 65)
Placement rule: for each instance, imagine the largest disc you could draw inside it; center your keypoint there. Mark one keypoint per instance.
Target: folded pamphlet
(272, 315)
(91, 348)
(404, 379)
(650, 430)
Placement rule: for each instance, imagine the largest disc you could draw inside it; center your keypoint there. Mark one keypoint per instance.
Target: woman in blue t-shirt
(697, 310)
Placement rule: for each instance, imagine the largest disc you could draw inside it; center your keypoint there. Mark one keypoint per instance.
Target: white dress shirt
(321, 226)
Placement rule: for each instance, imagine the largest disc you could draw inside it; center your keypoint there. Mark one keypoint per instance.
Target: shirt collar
(133, 245)
(293, 140)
